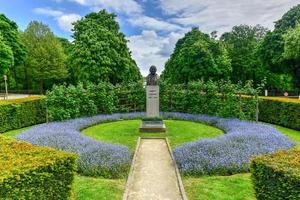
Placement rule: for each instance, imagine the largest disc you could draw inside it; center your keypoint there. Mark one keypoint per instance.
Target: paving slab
(154, 175)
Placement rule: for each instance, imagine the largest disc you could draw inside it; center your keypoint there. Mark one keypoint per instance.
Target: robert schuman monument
(152, 122)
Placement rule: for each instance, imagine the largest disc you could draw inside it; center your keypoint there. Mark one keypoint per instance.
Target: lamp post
(5, 83)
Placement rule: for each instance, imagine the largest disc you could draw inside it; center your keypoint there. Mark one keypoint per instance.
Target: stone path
(154, 176)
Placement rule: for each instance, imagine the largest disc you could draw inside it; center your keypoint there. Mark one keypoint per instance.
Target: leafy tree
(46, 58)
(272, 50)
(6, 56)
(100, 51)
(241, 44)
(197, 56)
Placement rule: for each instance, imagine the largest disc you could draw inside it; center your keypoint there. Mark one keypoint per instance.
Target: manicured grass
(235, 187)
(14, 133)
(87, 188)
(292, 134)
(127, 132)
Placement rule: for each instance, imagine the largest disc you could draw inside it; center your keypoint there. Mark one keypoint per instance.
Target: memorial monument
(152, 122)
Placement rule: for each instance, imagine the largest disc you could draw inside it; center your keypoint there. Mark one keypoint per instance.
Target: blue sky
(151, 26)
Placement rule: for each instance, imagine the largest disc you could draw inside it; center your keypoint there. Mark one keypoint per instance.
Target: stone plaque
(152, 108)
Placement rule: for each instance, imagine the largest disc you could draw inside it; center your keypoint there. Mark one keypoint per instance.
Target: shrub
(23, 112)
(230, 153)
(95, 158)
(68, 102)
(277, 176)
(30, 172)
(221, 98)
(280, 112)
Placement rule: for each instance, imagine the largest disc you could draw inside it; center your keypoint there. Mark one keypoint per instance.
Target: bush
(95, 158)
(30, 172)
(277, 176)
(69, 102)
(221, 98)
(230, 153)
(23, 112)
(280, 112)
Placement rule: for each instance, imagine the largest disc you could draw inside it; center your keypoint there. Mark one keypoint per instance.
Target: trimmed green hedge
(15, 114)
(277, 176)
(280, 112)
(31, 172)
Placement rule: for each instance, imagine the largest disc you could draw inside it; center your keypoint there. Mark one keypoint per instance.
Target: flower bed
(230, 153)
(226, 154)
(96, 158)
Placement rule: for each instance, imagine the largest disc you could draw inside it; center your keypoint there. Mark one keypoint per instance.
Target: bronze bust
(152, 78)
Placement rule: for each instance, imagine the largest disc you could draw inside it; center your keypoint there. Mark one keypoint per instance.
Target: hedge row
(280, 112)
(31, 172)
(277, 176)
(20, 113)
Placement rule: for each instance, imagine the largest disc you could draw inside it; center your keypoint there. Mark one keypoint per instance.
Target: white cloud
(64, 20)
(123, 6)
(153, 24)
(222, 15)
(151, 49)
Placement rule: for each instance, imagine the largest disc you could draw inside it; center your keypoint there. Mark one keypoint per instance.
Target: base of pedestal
(153, 127)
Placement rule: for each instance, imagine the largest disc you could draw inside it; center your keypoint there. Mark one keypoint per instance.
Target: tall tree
(11, 38)
(45, 58)
(271, 50)
(197, 56)
(6, 56)
(100, 51)
(242, 43)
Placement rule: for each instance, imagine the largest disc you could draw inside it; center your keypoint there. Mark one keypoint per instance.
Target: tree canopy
(242, 43)
(100, 52)
(197, 56)
(6, 56)
(46, 56)
(10, 39)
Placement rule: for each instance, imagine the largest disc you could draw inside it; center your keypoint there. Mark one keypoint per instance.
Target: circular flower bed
(226, 154)
(95, 158)
(229, 153)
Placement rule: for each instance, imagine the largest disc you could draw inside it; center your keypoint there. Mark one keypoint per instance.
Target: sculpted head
(152, 70)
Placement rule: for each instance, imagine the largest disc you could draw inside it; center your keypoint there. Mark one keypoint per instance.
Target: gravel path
(154, 176)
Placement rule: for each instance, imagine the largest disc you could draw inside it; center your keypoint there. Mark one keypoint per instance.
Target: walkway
(154, 176)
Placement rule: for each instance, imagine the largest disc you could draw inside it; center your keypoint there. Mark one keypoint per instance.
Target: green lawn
(87, 188)
(126, 132)
(235, 187)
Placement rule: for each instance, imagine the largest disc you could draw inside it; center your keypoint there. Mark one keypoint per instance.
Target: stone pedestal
(152, 110)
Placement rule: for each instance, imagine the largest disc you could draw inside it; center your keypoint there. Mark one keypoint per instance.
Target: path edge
(179, 180)
(130, 175)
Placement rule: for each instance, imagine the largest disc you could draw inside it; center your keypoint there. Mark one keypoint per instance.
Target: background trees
(45, 56)
(100, 51)
(242, 43)
(195, 57)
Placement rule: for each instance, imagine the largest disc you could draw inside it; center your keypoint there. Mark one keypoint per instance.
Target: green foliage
(196, 57)
(21, 113)
(292, 43)
(6, 56)
(279, 112)
(241, 44)
(45, 57)
(213, 98)
(31, 172)
(100, 52)
(277, 176)
(67, 102)
(274, 50)
(11, 36)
